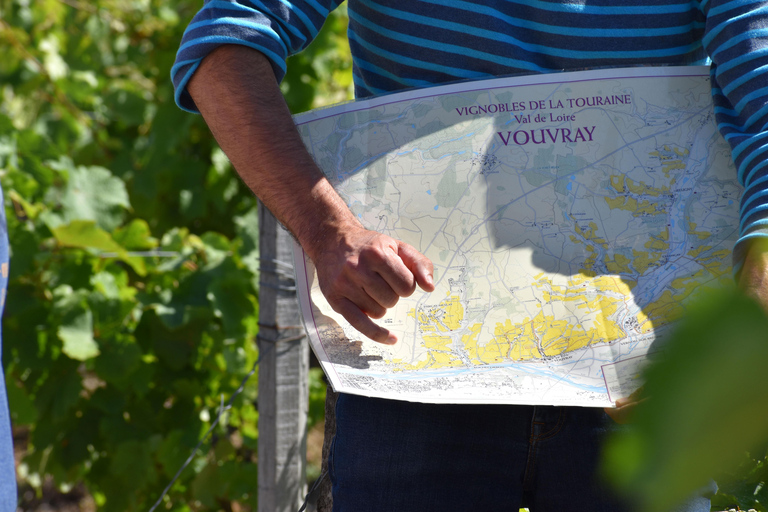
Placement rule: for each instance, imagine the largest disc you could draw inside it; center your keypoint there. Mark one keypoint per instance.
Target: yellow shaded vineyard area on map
(671, 159)
(543, 335)
(450, 341)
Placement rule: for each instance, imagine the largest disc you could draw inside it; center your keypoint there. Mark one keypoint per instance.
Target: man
(391, 455)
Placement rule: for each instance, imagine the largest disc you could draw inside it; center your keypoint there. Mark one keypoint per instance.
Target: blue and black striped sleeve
(736, 38)
(400, 44)
(276, 28)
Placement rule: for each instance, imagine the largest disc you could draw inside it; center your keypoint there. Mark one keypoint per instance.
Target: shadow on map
(547, 202)
(339, 348)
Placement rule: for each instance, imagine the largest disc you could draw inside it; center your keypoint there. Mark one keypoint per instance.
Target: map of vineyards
(570, 219)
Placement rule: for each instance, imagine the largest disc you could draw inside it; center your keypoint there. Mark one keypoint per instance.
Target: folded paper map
(570, 218)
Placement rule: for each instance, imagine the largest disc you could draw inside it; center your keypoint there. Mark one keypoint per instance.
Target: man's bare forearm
(361, 272)
(753, 278)
(236, 92)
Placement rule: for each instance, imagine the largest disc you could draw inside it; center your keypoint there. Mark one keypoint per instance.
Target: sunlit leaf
(76, 332)
(136, 236)
(90, 193)
(85, 234)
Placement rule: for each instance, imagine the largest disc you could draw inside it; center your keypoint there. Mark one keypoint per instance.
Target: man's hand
(625, 407)
(363, 273)
(753, 278)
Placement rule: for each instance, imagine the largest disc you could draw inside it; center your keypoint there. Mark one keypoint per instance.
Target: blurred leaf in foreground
(707, 406)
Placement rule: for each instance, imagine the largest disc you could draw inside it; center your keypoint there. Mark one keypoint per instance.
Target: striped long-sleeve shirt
(399, 44)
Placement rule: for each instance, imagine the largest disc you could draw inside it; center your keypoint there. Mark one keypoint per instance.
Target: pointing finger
(419, 265)
(363, 323)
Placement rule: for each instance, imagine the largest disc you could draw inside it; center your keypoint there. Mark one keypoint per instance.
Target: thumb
(419, 265)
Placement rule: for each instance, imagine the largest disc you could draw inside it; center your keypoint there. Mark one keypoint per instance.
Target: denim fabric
(7, 467)
(399, 456)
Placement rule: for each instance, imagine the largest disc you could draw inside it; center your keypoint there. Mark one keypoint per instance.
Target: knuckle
(337, 305)
(411, 287)
(379, 313)
(349, 268)
(372, 256)
(390, 301)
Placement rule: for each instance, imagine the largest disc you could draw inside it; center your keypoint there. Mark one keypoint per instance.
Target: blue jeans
(399, 456)
(7, 466)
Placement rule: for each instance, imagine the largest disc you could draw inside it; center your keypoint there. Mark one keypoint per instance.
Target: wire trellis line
(224, 408)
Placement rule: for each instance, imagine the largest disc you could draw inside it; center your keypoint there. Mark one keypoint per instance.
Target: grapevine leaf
(137, 263)
(174, 450)
(91, 193)
(248, 231)
(109, 401)
(206, 486)
(23, 410)
(117, 362)
(132, 462)
(106, 284)
(126, 106)
(241, 482)
(25, 246)
(77, 334)
(317, 391)
(176, 353)
(56, 398)
(75, 321)
(233, 304)
(29, 209)
(85, 234)
(136, 236)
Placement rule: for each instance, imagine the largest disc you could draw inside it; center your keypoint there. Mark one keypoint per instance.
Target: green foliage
(707, 409)
(322, 74)
(317, 388)
(743, 487)
(133, 280)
